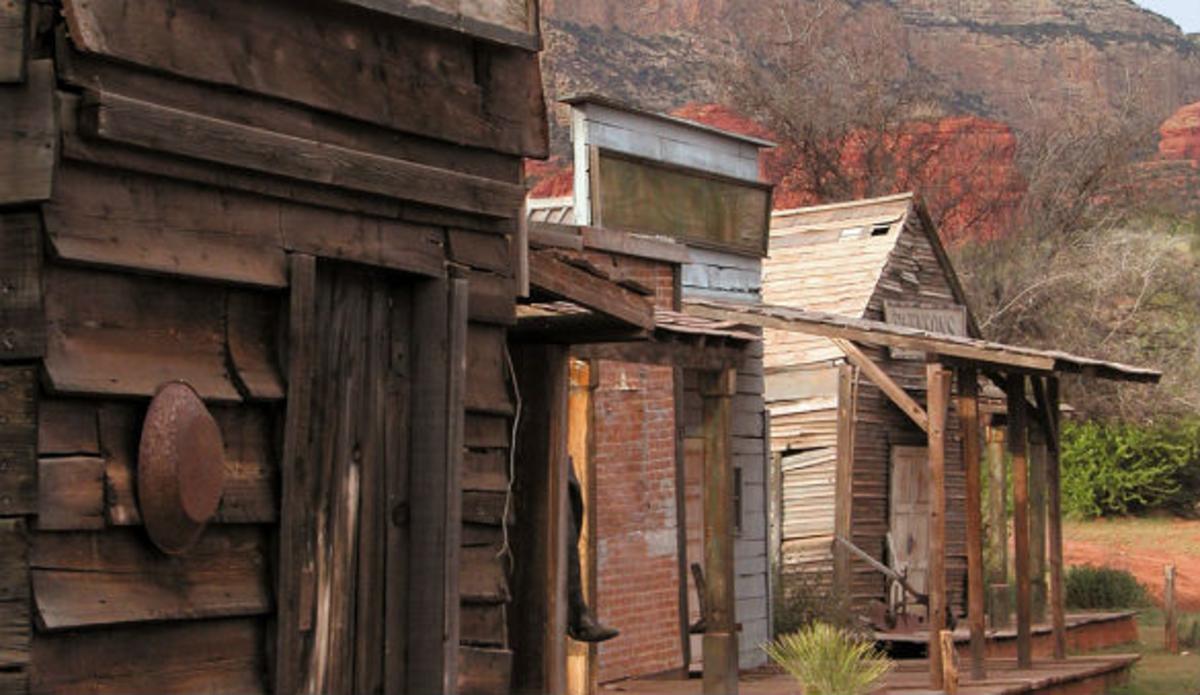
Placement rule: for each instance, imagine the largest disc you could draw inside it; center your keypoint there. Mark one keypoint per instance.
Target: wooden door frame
(582, 450)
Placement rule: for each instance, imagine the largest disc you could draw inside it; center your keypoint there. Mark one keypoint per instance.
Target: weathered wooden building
(874, 259)
(687, 203)
(310, 213)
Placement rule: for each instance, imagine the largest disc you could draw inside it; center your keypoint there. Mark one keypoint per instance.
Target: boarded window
(704, 209)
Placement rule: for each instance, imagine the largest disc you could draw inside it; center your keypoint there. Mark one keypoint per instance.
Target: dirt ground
(1144, 547)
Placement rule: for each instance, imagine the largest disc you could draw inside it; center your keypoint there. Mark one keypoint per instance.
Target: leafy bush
(1103, 588)
(1118, 469)
(830, 661)
(1189, 633)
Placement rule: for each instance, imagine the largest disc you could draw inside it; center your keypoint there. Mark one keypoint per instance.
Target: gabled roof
(831, 258)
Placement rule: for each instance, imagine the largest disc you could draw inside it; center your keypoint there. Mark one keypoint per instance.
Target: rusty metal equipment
(895, 615)
(181, 468)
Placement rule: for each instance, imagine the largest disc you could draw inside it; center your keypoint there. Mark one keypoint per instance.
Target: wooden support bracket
(885, 383)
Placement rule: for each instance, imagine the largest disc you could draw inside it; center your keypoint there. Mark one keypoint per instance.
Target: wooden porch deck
(1086, 632)
(1088, 675)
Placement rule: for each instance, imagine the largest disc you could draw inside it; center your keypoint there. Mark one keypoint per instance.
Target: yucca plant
(829, 661)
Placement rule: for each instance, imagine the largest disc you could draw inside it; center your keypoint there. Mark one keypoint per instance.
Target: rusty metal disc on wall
(181, 468)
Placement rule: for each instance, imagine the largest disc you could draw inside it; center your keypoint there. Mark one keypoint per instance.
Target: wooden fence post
(1171, 618)
(937, 409)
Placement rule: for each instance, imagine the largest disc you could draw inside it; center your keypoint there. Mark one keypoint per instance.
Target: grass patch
(1159, 673)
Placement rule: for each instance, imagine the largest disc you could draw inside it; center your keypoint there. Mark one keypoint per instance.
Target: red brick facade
(634, 440)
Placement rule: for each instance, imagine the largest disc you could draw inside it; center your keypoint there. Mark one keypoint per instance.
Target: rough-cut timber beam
(1020, 475)
(137, 123)
(1054, 498)
(885, 383)
(720, 638)
(949, 348)
(968, 418)
(563, 281)
(939, 401)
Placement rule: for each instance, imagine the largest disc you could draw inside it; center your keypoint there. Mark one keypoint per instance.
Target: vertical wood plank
(540, 545)
(18, 440)
(294, 574)
(1170, 616)
(937, 409)
(439, 370)
(1017, 446)
(1058, 599)
(843, 519)
(720, 638)
(582, 666)
(968, 419)
(396, 485)
(22, 320)
(949, 656)
(14, 38)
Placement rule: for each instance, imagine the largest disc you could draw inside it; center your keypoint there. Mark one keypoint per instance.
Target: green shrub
(1189, 633)
(1103, 588)
(830, 661)
(1119, 469)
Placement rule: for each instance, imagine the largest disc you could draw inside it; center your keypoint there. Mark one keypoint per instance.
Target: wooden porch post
(937, 408)
(1016, 444)
(968, 416)
(540, 545)
(1038, 467)
(720, 639)
(1054, 495)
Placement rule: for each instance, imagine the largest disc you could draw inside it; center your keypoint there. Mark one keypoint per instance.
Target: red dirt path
(1143, 547)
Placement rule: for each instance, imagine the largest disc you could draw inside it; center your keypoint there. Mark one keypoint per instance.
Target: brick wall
(634, 439)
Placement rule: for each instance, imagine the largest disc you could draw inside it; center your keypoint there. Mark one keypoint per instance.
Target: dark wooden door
(344, 526)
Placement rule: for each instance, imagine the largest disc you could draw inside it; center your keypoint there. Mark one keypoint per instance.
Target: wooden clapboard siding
(216, 656)
(135, 123)
(83, 579)
(15, 625)
(511, 22)
(28, 137)
(22, 323)
(377, 70)
(14, 38)
(18, 439)
(67, 427)
(252, 328)
(851, 259)
(71, 493)
(93, 72)
(488, 390)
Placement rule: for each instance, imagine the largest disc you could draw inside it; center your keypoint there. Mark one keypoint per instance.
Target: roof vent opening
(851, 233)
(881, 230)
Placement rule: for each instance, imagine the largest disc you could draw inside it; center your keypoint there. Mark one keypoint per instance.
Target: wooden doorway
(368, 560)
(909, 517)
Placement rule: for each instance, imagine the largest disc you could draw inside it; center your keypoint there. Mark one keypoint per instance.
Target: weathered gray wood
(18, 440)
(71, 494)
(22, 321)
(84, 579)
(28, 137)
(14, 40)
(294, 574)
(375, 71)
(843, 523)
(223, 656)
(137, 123)
(439, 369)
(396, 484)
(968, 424)
(486, 371)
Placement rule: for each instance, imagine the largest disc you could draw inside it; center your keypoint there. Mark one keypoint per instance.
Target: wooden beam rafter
(880, 378)
(563, 281)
